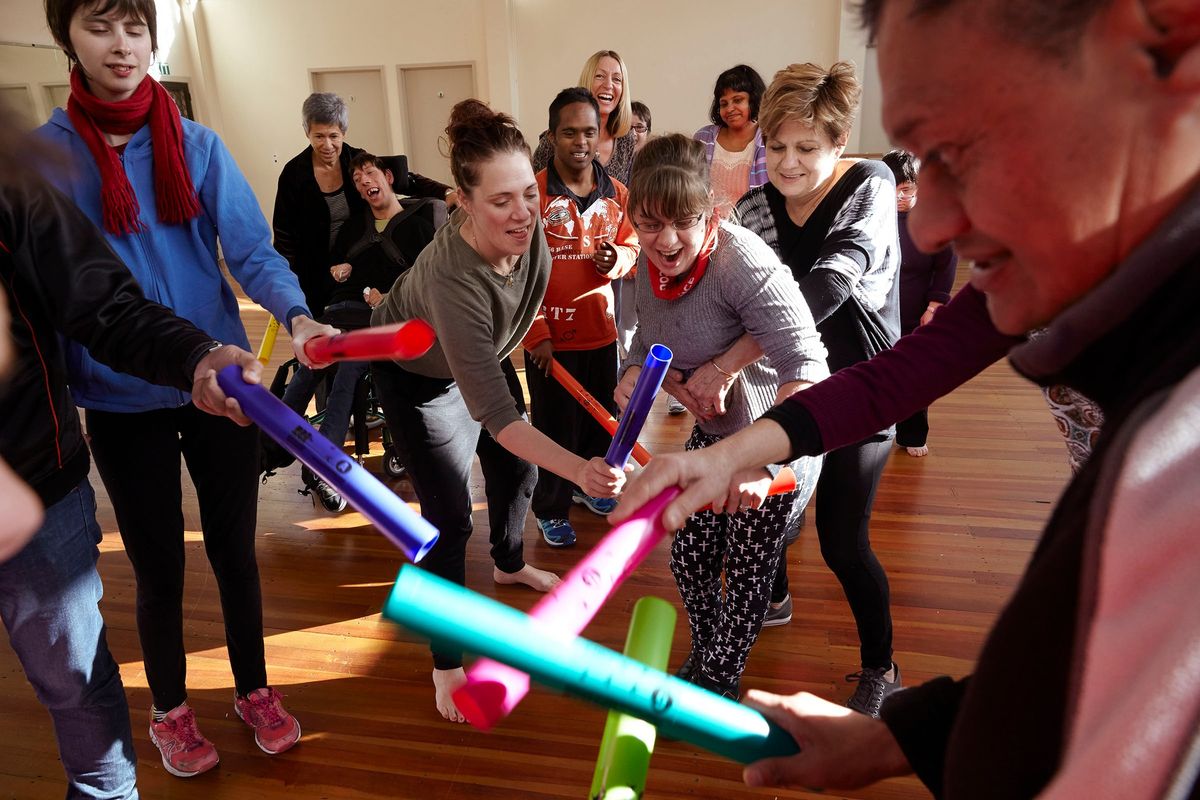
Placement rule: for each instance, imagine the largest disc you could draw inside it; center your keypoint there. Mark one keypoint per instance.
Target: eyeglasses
(639, 128)
(655, 226)
(907, 194)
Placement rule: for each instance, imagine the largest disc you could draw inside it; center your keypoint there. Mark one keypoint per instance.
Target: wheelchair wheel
(392, 465)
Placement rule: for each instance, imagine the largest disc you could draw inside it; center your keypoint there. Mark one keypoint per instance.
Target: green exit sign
(164, 68)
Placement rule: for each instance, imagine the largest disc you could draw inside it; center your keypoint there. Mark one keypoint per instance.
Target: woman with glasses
(641, 124)
(704, 284)
(833, 221)
(733, 142)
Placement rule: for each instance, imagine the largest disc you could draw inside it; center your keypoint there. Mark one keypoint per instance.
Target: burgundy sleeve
(855, 402)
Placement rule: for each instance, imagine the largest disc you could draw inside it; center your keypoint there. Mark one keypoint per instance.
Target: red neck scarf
(668, 288)
(175, 196)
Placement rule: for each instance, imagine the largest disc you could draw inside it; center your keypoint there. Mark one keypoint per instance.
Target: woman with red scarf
(163, 190)
(703, 285)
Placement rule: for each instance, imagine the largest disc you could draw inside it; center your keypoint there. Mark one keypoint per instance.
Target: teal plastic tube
(628, 742)
(456, 617)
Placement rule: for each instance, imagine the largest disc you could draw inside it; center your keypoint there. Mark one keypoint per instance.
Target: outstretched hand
(704, 480)
(206, 392)
(839, 748)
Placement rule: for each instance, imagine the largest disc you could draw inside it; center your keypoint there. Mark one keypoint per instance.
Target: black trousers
(138, 457)
(845, 494)
(437, 440)
(561, 417)
(914, 431)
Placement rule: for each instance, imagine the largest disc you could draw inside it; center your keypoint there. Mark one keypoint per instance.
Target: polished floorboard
(954, 531)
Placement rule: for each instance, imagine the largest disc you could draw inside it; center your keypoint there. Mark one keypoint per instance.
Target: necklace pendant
(508, 280)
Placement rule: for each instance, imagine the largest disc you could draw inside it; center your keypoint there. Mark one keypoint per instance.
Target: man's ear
(387, 175)
(1175, 43)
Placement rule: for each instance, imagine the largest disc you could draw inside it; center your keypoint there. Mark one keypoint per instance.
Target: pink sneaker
(275, 730)
(185, 751)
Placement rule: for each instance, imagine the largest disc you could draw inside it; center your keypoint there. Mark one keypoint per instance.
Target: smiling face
(800, 158)
(326, 141)
(607, 85)
(906, 196)
(671, 244)
(575, 139)
(114, 51)
(1043, 187)
(735, 110)
(503, 205)
(375, 186)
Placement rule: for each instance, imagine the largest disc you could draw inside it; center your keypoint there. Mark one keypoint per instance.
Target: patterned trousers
(747, 547)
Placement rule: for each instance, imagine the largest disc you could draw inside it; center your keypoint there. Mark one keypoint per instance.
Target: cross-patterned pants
(746, 546)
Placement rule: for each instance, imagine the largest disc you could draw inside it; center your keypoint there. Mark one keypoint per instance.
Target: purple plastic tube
(407, 529)
(649, 381)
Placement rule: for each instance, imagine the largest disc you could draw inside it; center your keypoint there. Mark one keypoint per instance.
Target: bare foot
(917, 452)
(445, 681)
(532, 577)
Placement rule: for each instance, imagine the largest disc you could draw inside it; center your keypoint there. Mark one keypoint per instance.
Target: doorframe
(402, 94)
(377, 68)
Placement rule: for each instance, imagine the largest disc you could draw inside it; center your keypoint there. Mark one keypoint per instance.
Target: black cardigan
(301, 217)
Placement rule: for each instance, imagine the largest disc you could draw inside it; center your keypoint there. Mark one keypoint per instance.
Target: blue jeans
(49, 595)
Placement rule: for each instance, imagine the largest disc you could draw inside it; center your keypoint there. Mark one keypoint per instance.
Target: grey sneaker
(872, 689)
(674, 407)
(778, 616)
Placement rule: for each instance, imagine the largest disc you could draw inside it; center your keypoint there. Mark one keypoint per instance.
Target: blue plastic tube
(649, 381)
(456, 617)
(407, 529)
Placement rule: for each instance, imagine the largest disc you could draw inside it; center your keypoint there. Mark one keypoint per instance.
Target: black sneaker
(688, 670)
(321, 491)
(872, 689)
(778, 616)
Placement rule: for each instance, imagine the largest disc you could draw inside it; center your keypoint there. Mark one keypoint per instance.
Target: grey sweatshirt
(478, 318)
(745, 289)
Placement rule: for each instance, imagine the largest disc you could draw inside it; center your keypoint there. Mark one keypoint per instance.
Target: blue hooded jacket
(177, 265)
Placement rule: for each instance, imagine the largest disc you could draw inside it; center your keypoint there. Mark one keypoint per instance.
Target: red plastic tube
(399, 342)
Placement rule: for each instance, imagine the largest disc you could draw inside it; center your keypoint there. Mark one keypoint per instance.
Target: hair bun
(470, 116)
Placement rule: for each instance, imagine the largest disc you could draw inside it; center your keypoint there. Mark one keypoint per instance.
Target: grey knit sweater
(478, 317)
(746, 289)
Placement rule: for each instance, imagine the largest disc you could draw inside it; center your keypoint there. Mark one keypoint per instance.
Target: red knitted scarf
(175, 196)
(668, 288)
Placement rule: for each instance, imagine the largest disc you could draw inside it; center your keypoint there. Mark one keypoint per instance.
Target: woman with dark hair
(733, 142)
(165, 191)
(479, 283)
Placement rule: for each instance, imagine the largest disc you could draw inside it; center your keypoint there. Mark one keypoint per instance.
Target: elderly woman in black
(316, 195)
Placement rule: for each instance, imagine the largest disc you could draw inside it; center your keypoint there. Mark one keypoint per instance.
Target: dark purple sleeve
(855, 402)
(941, 278)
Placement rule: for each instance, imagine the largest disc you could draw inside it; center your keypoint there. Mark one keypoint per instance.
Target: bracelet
(713, 361)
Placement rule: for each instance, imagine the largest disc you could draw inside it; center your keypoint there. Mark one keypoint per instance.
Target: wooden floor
(954, 531)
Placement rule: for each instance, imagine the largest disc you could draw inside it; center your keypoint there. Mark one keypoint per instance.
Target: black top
(851, 327)
(62, 278)
(301, 216)
(377, 258)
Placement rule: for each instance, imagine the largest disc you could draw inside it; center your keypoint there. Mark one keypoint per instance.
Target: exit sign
(164, 68)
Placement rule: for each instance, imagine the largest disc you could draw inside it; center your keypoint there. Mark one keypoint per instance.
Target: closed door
(20, 100)
(57, 94)
(429, 94)
(363, 92)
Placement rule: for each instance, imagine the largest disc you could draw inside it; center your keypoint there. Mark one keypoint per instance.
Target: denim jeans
(48, 600)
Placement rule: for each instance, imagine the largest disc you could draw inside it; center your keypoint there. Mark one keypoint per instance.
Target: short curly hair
(812, 95)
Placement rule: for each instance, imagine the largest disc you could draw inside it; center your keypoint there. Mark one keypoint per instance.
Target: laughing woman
(480, 284)
(704, 285)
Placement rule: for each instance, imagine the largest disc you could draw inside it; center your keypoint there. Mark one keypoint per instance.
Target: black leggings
(561, 417)
(437, 440)
(137, 456)
(845, 494)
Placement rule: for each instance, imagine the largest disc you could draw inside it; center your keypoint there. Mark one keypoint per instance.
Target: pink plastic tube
(398, 342)
(492, 689)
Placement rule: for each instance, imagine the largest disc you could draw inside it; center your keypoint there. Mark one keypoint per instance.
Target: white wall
(674, 49)
(259, 55)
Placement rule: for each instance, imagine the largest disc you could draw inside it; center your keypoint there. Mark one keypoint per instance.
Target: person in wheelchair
(372, 250)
